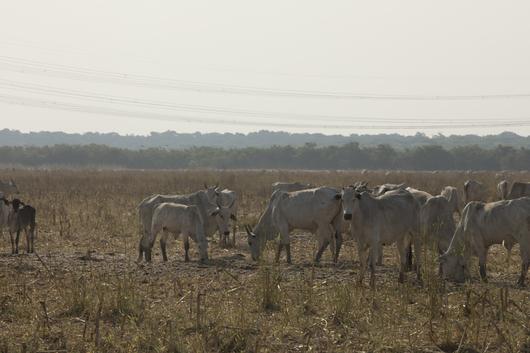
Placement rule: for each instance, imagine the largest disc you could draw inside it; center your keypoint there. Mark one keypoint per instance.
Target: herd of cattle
(383, 215)
(375, 216)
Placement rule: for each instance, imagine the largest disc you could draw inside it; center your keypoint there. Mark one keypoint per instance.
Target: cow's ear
(338, 196)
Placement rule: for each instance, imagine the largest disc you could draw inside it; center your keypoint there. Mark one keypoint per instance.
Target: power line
(130, 101)
(79, 73)
(24, 101)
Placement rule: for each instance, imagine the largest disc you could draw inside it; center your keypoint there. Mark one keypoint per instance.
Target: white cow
(316, 210)
(180, 219)
(8, 188)
(485, 224)
(474, 191)
(383, 220)
(502, 190)
(203, 199)
(290, 187)
(228, 198)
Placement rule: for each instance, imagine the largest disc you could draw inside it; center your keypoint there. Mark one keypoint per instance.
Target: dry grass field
(84, 292)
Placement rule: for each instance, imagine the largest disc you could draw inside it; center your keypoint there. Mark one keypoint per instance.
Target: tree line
(261, 139)
(308, 156)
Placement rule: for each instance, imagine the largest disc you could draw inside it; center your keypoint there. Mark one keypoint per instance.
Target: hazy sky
(239, 66)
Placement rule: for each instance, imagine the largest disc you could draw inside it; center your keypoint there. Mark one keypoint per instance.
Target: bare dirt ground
(84, 291)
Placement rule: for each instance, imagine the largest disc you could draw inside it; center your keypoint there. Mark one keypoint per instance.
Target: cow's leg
(338, 240)
(12, 237)
(234, 230)
(288, 252)
(374, 250)
(144, 247)
(283, 227)
(409, 265)
(31, 240)
(163, 244)
(322, 245)
(28, 248)
(379, 261)
(186, 248)
(403, 245)
(482, 253)
(17, 240)
(278, 252)
(525, 261)
(418, 248)
(362, 249)
(508, 245)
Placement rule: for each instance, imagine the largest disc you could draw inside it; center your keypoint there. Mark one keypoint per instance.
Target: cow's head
(13, 186)
(349, 196)
(223, 217)
(453, 267)
(212, 192)
(253, 243)
(16, 203)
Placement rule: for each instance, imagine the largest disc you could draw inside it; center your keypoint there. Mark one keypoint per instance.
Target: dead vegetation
(83, 292)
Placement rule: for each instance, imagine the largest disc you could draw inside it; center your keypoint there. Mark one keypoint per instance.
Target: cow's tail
(466, 191)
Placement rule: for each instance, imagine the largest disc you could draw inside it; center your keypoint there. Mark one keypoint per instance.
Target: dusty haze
(240, 66)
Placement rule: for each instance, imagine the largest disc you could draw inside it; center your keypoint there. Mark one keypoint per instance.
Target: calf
(180, 219)
(228, 198)
(21, 217)
(315, 210)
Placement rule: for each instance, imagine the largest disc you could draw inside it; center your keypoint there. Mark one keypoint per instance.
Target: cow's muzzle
(347, 216)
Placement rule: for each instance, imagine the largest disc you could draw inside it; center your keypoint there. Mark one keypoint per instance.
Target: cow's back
(519, 189)
(305, 208)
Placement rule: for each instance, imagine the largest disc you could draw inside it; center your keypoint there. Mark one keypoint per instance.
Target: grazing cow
(228, 198)
(502, 190)
(180, 219)
(451, 194)
(519, 189)
(382, 189)
(316, 210)
(21, 217)
(386, 219)
(202, 199)
(474, 191)
(485, 224)
(8, 188)
(290, 187)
